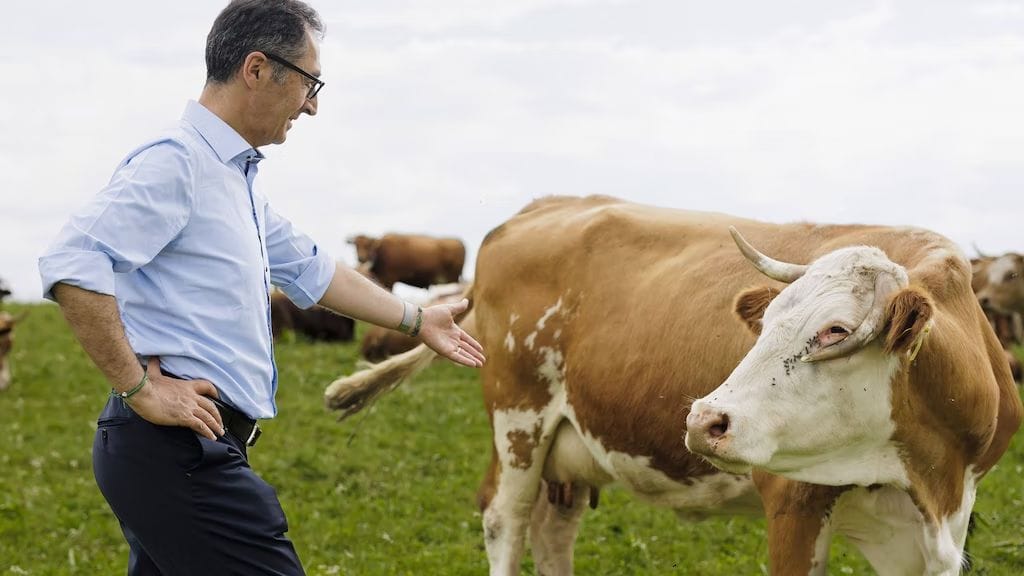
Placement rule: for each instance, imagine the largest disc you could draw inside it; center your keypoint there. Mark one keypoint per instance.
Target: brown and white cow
(603, 320)
(998, 282)
(316, 322)
(416, 260)
(7, 323)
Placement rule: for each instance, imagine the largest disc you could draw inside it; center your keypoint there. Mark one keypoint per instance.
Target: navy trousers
(188, 505)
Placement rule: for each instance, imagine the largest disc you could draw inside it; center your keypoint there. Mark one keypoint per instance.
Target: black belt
(241, 426)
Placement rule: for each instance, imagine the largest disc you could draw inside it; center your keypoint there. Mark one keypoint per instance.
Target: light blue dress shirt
(189, 248)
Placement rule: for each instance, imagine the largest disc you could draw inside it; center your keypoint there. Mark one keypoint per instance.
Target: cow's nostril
(720, 427)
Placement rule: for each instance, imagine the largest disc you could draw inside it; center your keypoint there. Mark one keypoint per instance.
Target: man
(165, 279)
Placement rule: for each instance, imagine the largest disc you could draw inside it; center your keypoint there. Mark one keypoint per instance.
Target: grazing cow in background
(419, 261)
(998, 282)
(379, 342)
(316, 323)
(4, 291)
(7, 323)
(593, 363)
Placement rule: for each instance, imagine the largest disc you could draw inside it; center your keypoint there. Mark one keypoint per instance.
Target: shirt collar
(226, 143)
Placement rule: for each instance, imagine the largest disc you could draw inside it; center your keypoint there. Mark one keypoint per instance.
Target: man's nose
(310, 105)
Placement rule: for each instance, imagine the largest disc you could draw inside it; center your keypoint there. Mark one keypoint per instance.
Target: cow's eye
(1012, 276)
(832, 335)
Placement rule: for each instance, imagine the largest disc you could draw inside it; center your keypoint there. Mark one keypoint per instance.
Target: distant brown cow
(7, 323)
(998, 282)
(317, 323)
(419, 261)
(379, 343)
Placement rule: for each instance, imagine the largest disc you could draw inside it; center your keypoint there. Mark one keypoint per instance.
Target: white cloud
(448, 117)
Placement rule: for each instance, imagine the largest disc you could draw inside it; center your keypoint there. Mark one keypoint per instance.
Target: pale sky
(445, 117)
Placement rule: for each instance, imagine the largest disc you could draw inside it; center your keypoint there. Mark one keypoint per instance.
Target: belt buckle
(254, 435)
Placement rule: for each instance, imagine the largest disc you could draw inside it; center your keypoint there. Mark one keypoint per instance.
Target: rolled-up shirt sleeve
(146, 204)
(297, 265)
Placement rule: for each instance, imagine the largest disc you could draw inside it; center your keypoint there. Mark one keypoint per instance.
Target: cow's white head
(1002, 285)
(811, 400)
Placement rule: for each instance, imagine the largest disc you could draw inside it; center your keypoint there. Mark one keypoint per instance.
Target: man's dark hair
(244, 26)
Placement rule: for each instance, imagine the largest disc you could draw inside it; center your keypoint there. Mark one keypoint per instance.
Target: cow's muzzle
(706, 429)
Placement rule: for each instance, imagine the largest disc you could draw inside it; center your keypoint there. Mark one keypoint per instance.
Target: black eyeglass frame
(317, 83)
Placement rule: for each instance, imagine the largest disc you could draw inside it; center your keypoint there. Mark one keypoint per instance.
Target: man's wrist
(126, 394)
(408, 318)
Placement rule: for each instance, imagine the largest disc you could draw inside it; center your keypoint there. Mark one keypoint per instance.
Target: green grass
(391, 491)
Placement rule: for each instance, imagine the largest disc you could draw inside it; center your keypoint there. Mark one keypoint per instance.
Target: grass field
(391, 491)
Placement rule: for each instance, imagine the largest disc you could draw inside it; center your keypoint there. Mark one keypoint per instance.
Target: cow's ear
(750, 306)
(907, 317)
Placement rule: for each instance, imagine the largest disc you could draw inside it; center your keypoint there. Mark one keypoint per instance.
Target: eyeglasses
(317, 83)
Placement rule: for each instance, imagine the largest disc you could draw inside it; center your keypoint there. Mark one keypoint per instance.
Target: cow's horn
(885, 286)
(781, 271)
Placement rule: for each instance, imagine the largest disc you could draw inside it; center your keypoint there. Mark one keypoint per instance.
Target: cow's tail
(350, 394)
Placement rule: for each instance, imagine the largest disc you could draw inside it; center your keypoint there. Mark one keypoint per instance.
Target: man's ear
(253, 64)
(907, 315)
(750, 306)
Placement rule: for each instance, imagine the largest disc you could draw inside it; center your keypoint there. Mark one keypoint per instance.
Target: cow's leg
(510, 490)
(799, 532)
(556, 520)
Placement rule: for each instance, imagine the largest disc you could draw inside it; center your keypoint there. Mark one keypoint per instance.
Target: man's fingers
(201, 428)
(468, 356)
(208, 420)
(480, 358)
(476, 358)
(468, 340)
(205, 388)
(459, 307)
(472, 348)
(208, 407)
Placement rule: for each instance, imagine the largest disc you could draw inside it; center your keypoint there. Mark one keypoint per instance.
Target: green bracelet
(419, 323)
(130, 393)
